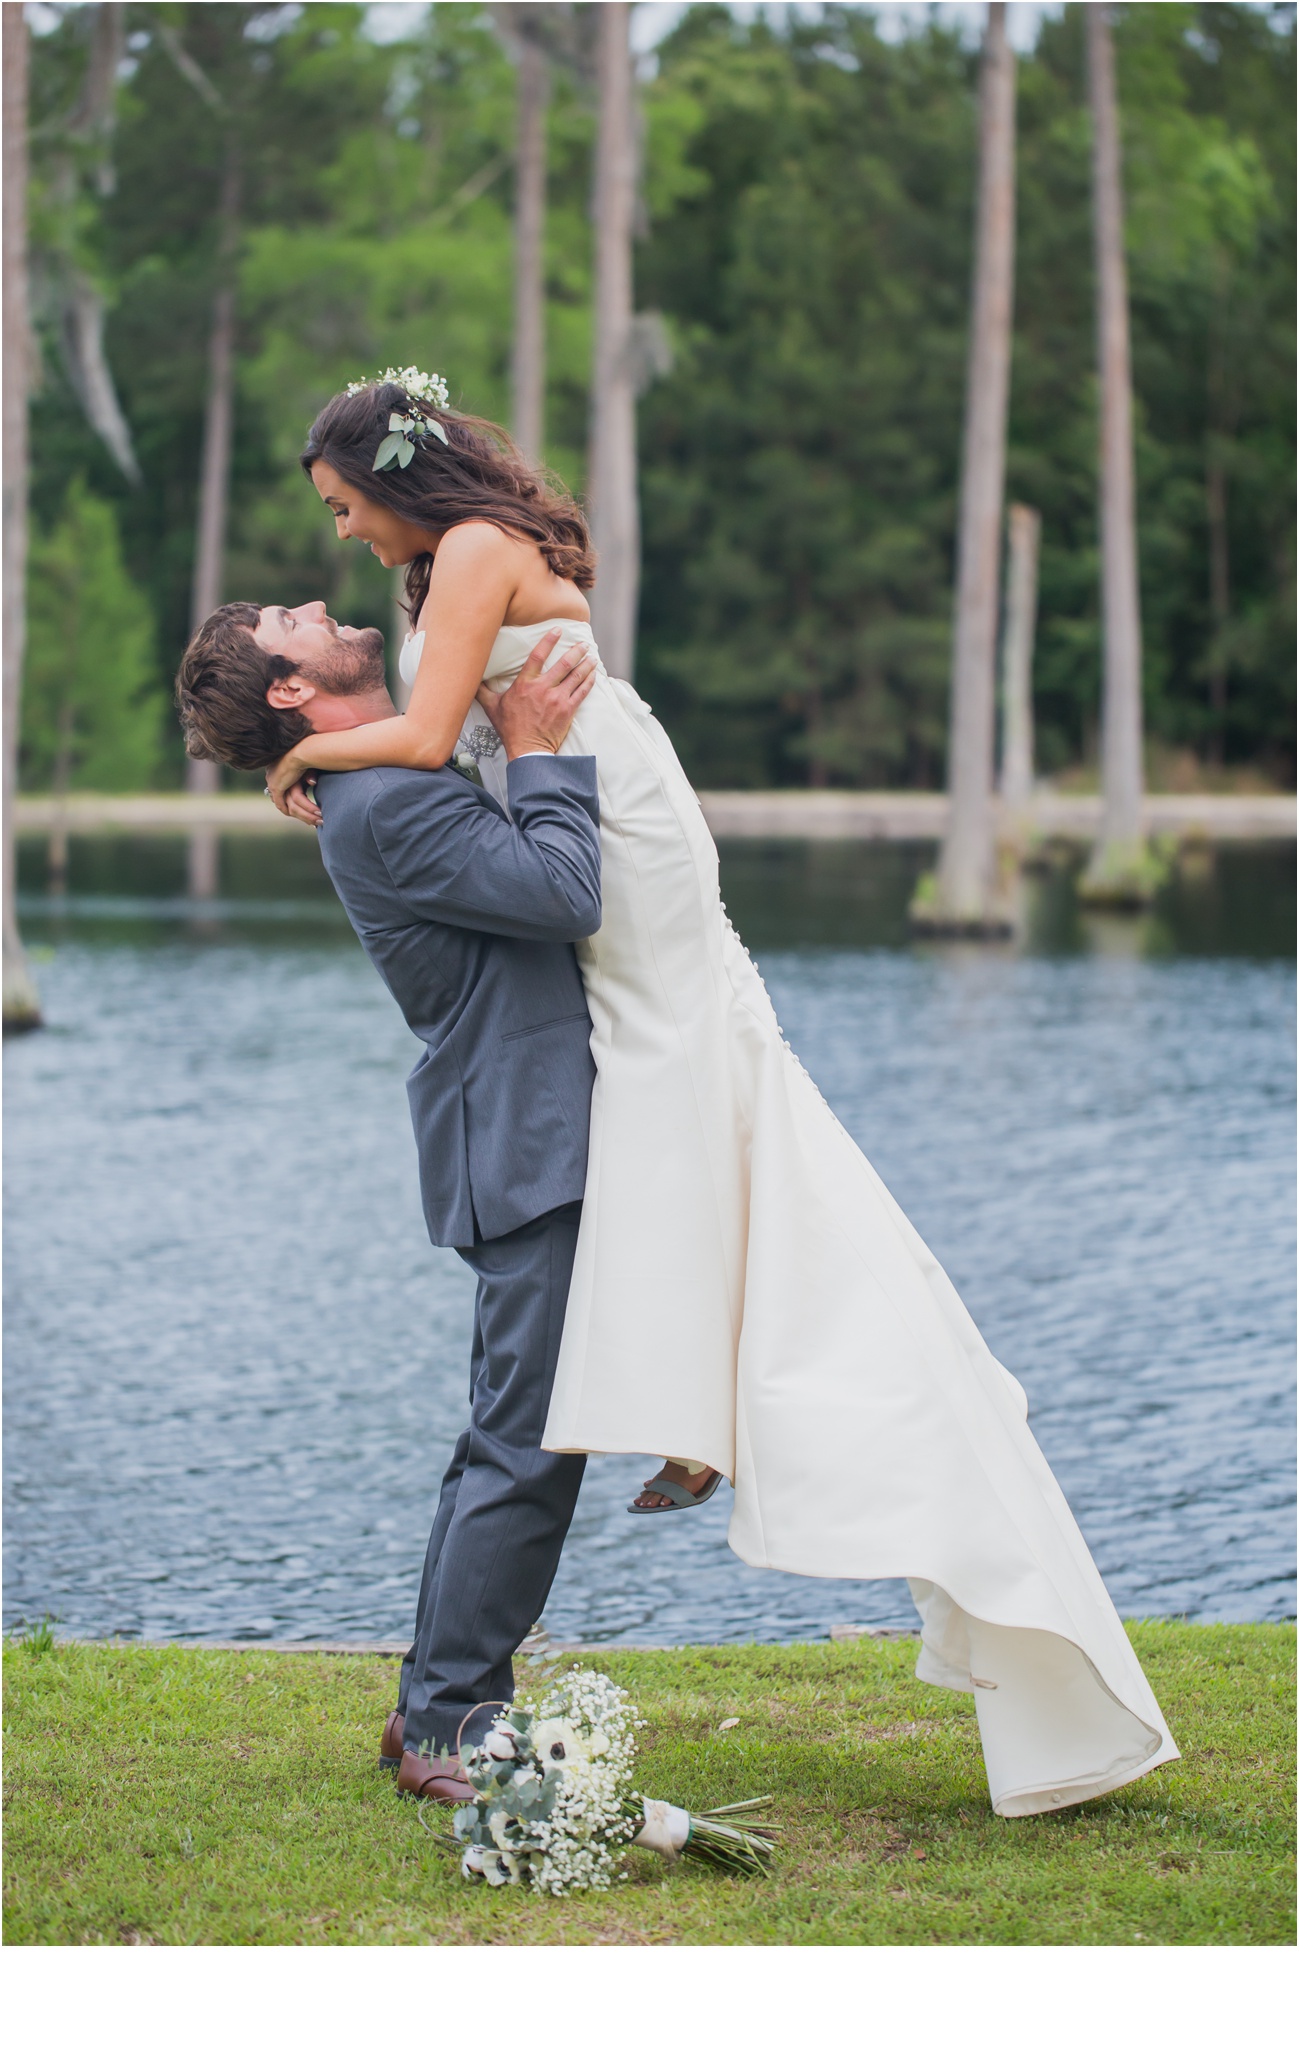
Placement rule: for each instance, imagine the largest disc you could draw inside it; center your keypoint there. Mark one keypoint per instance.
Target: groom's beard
(353, 667)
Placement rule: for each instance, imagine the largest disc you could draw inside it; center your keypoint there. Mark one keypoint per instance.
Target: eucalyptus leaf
(405, 452)
(390, 446)
(441, 433)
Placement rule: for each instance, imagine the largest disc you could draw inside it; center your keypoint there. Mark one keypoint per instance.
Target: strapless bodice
(509, 650)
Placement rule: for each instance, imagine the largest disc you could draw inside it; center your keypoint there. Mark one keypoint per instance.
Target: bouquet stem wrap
(666, 1829)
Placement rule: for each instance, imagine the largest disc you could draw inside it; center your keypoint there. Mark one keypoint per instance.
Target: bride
(746, 1293)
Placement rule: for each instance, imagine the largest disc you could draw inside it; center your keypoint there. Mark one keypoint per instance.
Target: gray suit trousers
(505, 1504)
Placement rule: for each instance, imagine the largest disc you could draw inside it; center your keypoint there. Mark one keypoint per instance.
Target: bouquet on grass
(556, 1806)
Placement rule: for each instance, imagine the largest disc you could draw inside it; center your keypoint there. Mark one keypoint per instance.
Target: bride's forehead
(327, 480)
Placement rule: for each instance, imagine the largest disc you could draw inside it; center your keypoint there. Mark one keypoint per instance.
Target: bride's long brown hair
(478, 473)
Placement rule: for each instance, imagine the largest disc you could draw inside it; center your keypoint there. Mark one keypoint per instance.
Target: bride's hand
(289, 784)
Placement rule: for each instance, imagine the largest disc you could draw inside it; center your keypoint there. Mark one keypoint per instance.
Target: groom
(470, 917)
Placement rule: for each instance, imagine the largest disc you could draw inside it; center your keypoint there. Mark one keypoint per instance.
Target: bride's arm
(473, 579)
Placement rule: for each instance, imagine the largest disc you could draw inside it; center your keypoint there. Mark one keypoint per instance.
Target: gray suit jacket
(470, 919)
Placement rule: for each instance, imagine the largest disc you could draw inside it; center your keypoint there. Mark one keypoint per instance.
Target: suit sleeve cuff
(575, 772)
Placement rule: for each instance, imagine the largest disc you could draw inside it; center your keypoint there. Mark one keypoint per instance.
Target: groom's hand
(534, 714)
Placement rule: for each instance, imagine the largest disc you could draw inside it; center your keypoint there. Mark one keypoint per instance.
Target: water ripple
(235, 1365)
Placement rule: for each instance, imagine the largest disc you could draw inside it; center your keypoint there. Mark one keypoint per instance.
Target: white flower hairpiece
(405, 430)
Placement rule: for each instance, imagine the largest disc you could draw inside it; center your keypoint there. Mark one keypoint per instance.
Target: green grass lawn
(180, 1796)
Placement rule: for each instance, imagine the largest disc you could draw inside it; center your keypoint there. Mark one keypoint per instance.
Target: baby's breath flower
(424, 384)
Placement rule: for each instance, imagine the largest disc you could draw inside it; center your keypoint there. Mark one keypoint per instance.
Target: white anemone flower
(560, 1742)
(472, 1862)
(502, 1869)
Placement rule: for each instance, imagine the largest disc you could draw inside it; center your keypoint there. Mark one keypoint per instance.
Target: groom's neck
(339, 714)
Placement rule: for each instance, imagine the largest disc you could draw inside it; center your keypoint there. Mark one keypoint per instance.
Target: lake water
(235, 1365)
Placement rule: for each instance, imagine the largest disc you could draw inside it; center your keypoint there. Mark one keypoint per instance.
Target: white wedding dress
(747, 1293)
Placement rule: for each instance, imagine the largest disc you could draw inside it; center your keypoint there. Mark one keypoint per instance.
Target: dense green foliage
(808, 202)
(91, 718)
(162, 1795)
(801, 469)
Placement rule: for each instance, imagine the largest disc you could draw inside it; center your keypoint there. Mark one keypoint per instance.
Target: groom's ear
(289, 690)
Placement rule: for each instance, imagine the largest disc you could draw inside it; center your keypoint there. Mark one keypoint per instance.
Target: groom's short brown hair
(221, 690)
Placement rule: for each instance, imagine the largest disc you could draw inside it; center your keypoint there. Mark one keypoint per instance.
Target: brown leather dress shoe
(421, 1777)
(390, 1749)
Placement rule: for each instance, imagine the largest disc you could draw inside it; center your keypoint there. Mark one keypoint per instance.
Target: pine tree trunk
(966, 897)
(612, 480)
(21, 1003)
(203, 778)
(818, 772)
(1118, 872)
(528, 372)
(1017, 663)
(1215, 492)
(218, 421)
(1220, 427)
(60, 783)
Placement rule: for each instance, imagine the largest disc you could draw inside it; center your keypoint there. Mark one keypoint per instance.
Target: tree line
(785, 361)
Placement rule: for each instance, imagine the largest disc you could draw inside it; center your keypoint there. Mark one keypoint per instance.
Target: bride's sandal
(679, 1496)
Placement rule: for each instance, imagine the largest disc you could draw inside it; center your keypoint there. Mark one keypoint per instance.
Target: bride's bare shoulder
(478, 541)
(508, 569)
